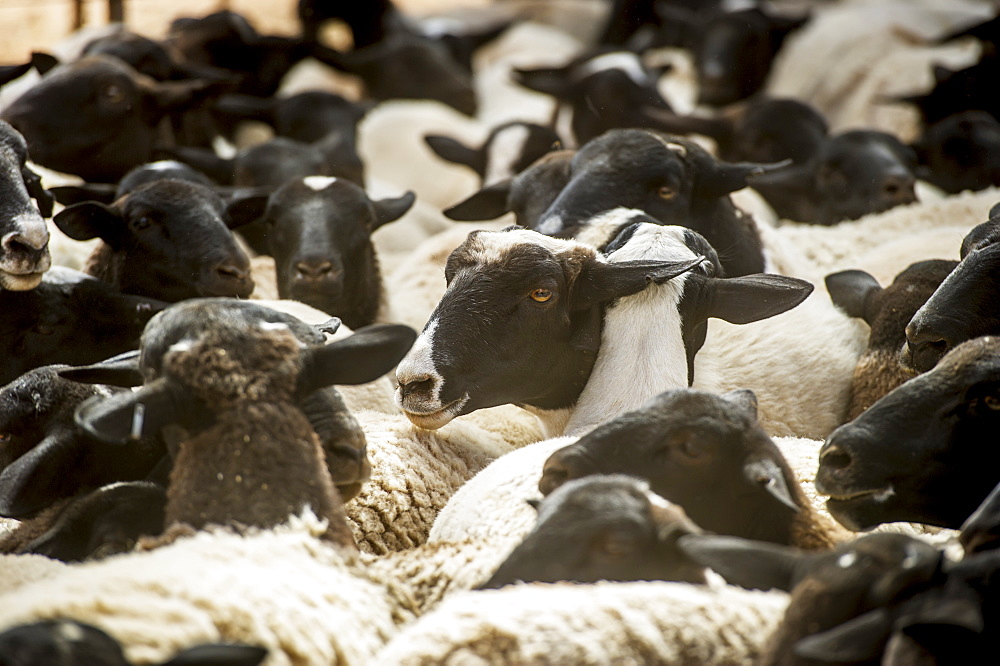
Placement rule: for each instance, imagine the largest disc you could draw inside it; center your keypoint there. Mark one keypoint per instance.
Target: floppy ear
(389, 210)
(33, 183)
(169, 96)
(247, 107)
(91, 219)
(981, 530)
(10, 72)
(766, 474)
(43, 62)
(745, 399)
(851, 291)
(721, 178)
(244, 210)
(40, 476)
(719, 128)
(68, 195)
(488, 203)
(979, 234)
(741, 300)
(860, 639)
(599, 282)
(452, 150)
(364, 357)
(122, 417)
(219, 655)
(553, 81)
(755, 565)
(121, 370)
(206, 161)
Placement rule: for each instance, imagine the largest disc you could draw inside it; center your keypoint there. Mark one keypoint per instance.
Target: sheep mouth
(432, 420)
(20, 281)
(853, 510)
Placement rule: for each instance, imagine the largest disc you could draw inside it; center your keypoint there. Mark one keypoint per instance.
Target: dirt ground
(34, 25)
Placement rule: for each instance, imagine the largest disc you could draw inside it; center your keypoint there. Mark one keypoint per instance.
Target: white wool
(18, 570)
(880, 49)
(416, 471)
(283, 589)
(395, 241)
(603, 623)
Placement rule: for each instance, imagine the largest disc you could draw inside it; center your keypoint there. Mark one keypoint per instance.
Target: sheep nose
(416, 385)
(925, 346)
(835, 460)
(558, 469)
(17, 242)
(230, 272)
(312, 269)
(898, 189)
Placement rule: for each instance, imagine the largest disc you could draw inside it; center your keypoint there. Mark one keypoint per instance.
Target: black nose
(898, 189)
(417, 385)
(835, 459)
(231, 272)
(313, 269)
(925, 345)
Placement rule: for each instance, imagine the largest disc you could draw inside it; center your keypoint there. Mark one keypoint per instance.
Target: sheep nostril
(313, 270)
(230, 272)
(420, 385)
(835, 459)
(925, 355)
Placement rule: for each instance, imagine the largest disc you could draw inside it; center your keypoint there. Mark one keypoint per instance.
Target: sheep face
(671, 179)
(922, 453)
(24, 238)
(961, 152)
(520, 322)
(320, 236)
(69, 318)
(113, 128)
(963, 306)
(706, 453)
(602, 528)
(166, 239)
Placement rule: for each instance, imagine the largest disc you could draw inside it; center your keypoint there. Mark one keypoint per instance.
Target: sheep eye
(4, 437)
(690, 448)
(615, 546)
(992, 402)
(666, 193)
(44, 329)
(114, 93)
(541, 295)
(141, 223)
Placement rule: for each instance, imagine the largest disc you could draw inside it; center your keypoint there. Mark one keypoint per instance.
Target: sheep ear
(217, 168)
(452, 150)
(766, 474)
(244, 210)
(725, 177)
(68, 195)
(741, 300)
(247, 106)
(851, 291)
(979, 234)
(488, 203)
(981, 530)
(33, 183)
(10, 72)
(364, 357)
(860, 639)
(121, 370)
(600, 282)
(91, 219)
(389, 210)
(43, 62)
(553, 81)
(220, 655)
(39, 477)
(128, 416)
(745, 399)
(718, 128)
(750, 564)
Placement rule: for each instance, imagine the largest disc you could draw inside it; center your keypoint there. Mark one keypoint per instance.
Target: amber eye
(992, 402)
(541, 295)
(114, 93)
(4, 437)
(666, 193)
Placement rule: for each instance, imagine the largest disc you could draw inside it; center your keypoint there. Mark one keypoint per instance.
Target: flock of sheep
(573, 332)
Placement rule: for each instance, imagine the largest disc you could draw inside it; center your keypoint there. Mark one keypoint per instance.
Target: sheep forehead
(493, 247)
(654, 241)
(318, 183)
(628, 63)
(672, 146)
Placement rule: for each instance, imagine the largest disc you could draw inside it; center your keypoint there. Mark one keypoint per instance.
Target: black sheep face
(24, 237)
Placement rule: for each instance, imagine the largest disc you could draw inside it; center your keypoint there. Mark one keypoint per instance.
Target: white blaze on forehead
(628, 63)
(551, 225)
(70, 632)
(847, 560)
(418, 364)
(672, 146)
(655, 242)
(318, 183)
(494, 246)
(504, 151)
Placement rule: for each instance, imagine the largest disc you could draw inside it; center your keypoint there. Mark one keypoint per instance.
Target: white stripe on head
(504, 151)
(495, 246)
(419, 363)
(625, 61)
(318, 183)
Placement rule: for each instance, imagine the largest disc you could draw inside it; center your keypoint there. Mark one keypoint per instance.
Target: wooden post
(116, 11)
(77, 14)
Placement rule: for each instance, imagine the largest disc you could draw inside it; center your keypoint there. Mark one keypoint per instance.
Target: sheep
(827, 589)
(103, 146)
(915, 454)
(220, 586)
(959, 152)
(961, 307)
(887, 311)
(64, 642)
(41, 443)
(853, 173)
(148, 236)
(69, 318)
(251, 380)
(599, 623)
(709, 455)
(319, 232)
(24, 238)
(601, 528)
(432, 392)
